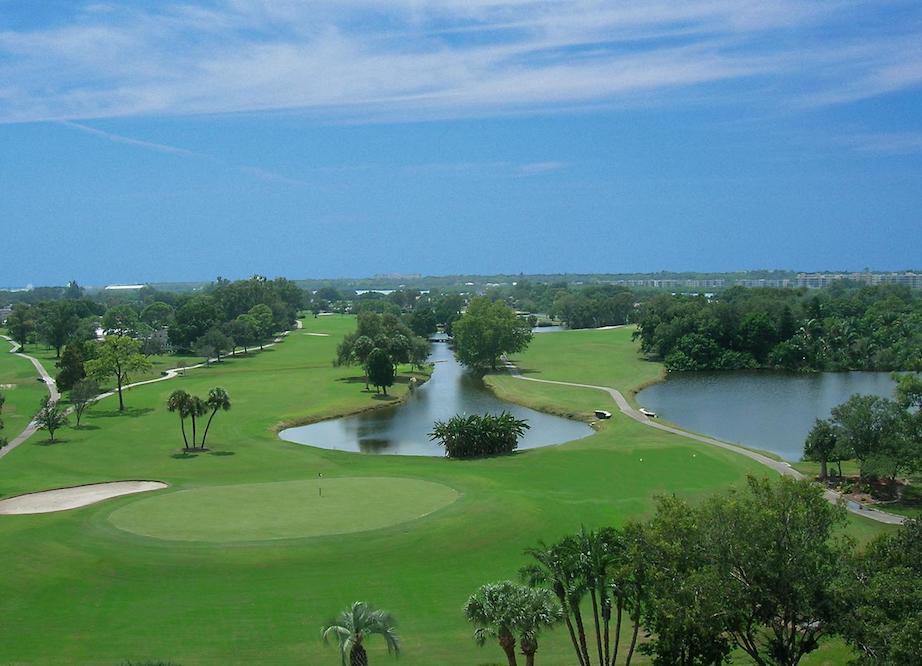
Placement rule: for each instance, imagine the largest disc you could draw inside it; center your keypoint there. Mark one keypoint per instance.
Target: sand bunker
(319, 335)
(62, 499)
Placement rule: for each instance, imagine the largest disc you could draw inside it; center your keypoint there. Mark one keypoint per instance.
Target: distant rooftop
(122, 287)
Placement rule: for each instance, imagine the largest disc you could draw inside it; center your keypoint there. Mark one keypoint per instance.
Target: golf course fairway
(283, 510)
(238, 562)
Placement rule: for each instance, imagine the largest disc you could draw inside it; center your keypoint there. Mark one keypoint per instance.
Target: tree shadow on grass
(381, 396)
(84, 426)
(48, 442)
(184, 455)
(222, 453)
(132, 412)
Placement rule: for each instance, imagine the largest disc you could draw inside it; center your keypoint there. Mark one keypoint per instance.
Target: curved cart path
(52, 391)
(781, 467)
(55, 395)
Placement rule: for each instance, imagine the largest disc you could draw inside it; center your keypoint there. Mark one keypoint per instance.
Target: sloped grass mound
(283, 510)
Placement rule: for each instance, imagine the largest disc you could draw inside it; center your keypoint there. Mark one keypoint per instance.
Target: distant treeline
(839, 328)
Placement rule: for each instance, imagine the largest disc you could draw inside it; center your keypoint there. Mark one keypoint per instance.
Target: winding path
(52, 391)
(56, 395)
(782, 468)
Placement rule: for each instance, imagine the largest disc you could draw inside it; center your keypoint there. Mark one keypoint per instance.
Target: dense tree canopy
(840, 328)
(486, 331)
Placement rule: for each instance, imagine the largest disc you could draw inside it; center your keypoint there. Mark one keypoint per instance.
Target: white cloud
(410, 58)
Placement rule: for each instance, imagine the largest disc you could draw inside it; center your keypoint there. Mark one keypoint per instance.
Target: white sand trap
(62, 499)
(319, 335)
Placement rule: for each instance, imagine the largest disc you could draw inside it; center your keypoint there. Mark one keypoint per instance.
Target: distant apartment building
(909, 279)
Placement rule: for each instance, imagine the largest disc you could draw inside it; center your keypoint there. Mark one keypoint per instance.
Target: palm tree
(197, 407)
(538, 609)
(179, 402)
(553, 568)
(355, 624)
(492, 609)
(217, 399)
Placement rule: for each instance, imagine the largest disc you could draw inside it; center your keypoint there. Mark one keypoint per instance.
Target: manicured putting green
(282, 510)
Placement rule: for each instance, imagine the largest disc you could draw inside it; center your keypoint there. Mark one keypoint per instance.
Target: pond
(772, 411)
(404, 429)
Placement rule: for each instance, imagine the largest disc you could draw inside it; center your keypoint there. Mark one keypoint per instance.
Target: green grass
(18, 382)
(283, 510)
(79, 590)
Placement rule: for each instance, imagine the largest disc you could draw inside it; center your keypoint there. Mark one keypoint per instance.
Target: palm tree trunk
(606, 623)
(507, 643)
(193, 431)
(614, 656)
(581, 631)
(598, 628)
(823, 473)
(579, 654)
(630, 652)
(182, 426)
(358, 656)
(208, 425)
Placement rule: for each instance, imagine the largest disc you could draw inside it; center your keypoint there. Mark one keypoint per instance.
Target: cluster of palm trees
(192, 406)
(602, 566)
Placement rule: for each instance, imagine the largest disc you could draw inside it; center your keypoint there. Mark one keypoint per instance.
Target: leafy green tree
(775, 547)
(821, 445)
(21, 323)
(217, 400)
(883, 622)
(263, 319)
(874, 430)
(242, 331)
(475, 436)
(354, 625)
(121, 320)
(179, 402)
(82, 395)
(216, 341)
(684, 612)
(419, 352)
(55, 323)
(380, 369)
(192, 320)
(50, 417)
(71, 365)
(118, 357)
(487, 331)
(157, 315)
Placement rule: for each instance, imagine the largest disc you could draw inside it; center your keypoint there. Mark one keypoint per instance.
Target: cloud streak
(409, 59)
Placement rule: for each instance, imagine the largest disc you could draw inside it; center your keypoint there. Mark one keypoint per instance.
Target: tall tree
(775, 547)
(21, 323)
(57, 321)
(493, 610)
(118, 357)
(121, 320)
(82, 395)
(487, 331)
(380, 369)
(71, 365)
(217, 400)
(179, 402)
(821, 444)
(354, 625)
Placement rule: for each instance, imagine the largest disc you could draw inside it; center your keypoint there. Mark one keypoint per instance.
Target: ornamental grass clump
(476, 436)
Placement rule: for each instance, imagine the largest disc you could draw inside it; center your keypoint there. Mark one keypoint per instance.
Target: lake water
(772, 411)
(404, 429)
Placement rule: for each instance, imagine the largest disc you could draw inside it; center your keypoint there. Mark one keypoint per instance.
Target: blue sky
(185, 140)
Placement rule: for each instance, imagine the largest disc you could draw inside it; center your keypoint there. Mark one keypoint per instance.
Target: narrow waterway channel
(404, 429)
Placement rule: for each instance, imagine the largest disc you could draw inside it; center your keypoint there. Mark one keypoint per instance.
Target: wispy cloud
(887, 143)
(417, 59)
(256, 172)
(538, 168)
